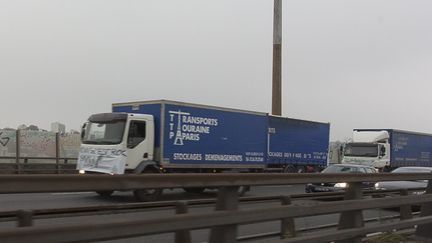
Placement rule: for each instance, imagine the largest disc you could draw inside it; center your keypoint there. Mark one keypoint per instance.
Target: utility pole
(277, 59)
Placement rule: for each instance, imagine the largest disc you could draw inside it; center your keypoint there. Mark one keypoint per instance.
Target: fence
(24, 151)
(224, 221)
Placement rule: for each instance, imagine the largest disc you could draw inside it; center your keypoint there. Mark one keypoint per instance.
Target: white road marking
(279, 186)
(71, 193)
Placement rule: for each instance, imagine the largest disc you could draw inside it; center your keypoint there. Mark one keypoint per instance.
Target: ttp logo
(189, 128)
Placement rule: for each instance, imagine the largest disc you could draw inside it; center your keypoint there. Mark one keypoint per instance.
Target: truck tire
(105, 193)
(195, 190)
(386, 169)
(148, 194)
(290, 169)
(301, 169)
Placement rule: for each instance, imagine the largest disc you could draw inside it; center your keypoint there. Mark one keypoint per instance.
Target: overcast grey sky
(353, 63)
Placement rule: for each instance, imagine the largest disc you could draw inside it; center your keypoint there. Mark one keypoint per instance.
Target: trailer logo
(189, 128)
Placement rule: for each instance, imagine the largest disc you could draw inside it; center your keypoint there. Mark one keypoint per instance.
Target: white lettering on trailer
(223, 157)
(189, 128)
(186, 156)
(313, 155)
(254, 156)
(276, 154)
(255, 159)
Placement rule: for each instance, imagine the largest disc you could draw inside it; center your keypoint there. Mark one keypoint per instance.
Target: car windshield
(341, 169)
(412, 170)
(361, 150)
(104, 133)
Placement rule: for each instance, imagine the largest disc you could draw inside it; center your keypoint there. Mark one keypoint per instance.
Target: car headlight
(377, 185)
(341, 185)
(419, 192)
(82, 171)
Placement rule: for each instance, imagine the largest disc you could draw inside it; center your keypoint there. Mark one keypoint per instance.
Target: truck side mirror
(83, 128)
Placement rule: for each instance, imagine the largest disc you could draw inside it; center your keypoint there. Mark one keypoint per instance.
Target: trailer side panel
(196, 135)
(410, 149)
(297, 142)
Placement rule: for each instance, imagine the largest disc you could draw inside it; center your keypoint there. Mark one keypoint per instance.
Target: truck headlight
(341, 185)
(419, 193)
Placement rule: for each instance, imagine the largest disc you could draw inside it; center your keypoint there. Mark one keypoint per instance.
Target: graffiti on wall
(7, 143)
(38, 144)
(4, 140)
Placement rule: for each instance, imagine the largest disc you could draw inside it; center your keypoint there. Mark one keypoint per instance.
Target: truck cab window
(137, 133)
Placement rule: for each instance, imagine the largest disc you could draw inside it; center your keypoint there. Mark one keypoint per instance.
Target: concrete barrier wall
(38, 144)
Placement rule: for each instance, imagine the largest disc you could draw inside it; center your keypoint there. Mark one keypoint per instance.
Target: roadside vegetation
(388, 237)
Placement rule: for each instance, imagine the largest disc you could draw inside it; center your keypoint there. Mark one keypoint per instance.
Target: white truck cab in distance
(371, 148)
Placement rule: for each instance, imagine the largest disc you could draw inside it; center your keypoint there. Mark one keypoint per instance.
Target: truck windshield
(104, 133)
(361, 150)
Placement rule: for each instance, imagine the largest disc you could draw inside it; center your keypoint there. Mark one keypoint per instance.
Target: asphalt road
(62, 200)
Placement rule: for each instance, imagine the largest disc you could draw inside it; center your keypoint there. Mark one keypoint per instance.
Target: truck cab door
(140, 142)
(384, 154)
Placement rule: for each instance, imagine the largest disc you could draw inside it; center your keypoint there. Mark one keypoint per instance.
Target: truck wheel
(105, 193)
(145, 195)
(195, 190)
(290, 169)
(301, 169)
(386, 169)
(148, 194)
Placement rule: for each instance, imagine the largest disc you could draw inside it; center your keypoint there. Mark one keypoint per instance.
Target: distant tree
(8, 129)
(22, 127)
(33, 128)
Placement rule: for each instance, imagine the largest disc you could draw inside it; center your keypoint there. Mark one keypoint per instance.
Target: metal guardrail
(22, 165)
(142, 206)
(27, 158)
(224, 221)
(79, 183)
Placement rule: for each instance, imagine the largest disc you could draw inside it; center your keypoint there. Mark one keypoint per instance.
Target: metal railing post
(227, 200)
(287, 225)
(57, 144)
(17, 151)
(352, 219)
(405, 210)
(424, 231)
(25, 218)
(182, 236)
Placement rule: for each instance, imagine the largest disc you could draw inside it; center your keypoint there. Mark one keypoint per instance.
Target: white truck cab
(370, 148)
(113, 143)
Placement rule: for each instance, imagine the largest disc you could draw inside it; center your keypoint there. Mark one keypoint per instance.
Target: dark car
(340, 168)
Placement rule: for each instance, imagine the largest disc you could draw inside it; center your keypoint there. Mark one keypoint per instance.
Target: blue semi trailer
(387, 149)
(172, 137)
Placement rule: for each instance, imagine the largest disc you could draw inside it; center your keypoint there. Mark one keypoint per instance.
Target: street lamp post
(277, 59)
